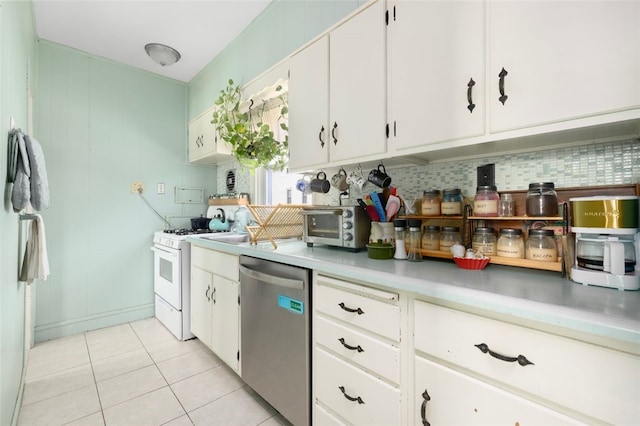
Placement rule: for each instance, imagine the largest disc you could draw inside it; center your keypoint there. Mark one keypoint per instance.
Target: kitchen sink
(229, 238)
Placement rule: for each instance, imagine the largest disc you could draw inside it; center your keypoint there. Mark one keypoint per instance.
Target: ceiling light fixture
(164, 55)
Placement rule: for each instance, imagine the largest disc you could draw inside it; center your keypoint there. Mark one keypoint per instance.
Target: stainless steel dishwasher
(275, 335)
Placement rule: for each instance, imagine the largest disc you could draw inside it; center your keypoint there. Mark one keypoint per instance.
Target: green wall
(283, 27)
(17, 60)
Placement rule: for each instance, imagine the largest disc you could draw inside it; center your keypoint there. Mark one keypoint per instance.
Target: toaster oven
(341, 226)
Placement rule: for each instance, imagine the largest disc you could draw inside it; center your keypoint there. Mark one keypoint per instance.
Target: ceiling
(119, 29)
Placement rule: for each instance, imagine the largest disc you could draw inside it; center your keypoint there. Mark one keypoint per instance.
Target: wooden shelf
(228, 201)
(518, 218)
(507, 261)
(418, 216)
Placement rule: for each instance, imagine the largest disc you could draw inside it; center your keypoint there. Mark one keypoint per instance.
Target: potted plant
(252, 141)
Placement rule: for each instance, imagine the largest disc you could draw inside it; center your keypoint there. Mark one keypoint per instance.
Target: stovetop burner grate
(190, 231)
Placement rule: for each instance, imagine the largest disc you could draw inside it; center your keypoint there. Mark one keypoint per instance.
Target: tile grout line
(95, 381)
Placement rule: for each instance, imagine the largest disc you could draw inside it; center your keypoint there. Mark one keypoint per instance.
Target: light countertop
(532, 295)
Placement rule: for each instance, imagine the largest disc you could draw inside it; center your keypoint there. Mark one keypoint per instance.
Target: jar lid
(541, 185)
(435, 192)
(450, 229)
(485, 231)
(541, 233)
(415, 223)
(399, 223)
(452, 191)
(511, 231)
(432, 228)
(486, 188)
(506, 196)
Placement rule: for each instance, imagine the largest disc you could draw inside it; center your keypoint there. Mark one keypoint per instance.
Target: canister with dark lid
(485, 202)
(541, 246)
(451, 202)
(542, 199)
(484, 241)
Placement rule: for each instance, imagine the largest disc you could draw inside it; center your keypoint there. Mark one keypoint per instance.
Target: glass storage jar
(449, 236)
(485, 203)
(431, 203)
(431, 238)
(505, 205)
(510, 243)
(451, 202)
(414, 254)
(541, 245)
(542, 199)
(484, 241)
(400, 225)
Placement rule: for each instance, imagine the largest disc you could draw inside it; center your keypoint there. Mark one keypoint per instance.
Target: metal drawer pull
(358, 310)
(521, 359)
(333, 133)
(206, 293)
(320, 137)
(470, 85)
(351, 348)
(423, 409)
(350, 398)
(503, 98)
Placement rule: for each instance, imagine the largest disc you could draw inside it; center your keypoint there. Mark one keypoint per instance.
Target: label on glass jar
(430, 244)
(485, 207)
(542, 254)
(445, 245)
(484, 248)
(451, 208)
(431, 208)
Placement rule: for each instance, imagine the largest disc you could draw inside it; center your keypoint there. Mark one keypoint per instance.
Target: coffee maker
(607, 241)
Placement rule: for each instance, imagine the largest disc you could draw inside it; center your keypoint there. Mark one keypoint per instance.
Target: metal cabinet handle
(521, 359)
(351, 348)
(213, 295)
(333, 133)
(502, 75)
(470, 85)
(350, 398)
(320, 137)
(345, 308)
(206, 293)
(423, 409)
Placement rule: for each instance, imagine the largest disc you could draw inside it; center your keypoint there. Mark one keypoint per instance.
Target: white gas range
(171, 279)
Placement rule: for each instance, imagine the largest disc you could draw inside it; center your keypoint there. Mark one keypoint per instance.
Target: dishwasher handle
(272, 279)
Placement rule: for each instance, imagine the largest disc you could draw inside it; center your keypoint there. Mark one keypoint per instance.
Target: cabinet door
(309, 107)
(358, 86)
(205, 147)
(225, 322)
(201, 288)
(436, 66)
(445, 396)
(196, 139)
(564, 59)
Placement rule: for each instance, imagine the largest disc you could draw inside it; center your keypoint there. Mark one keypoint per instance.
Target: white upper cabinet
(563, 60)
(204, 145)
(337, 93)
(436, 65)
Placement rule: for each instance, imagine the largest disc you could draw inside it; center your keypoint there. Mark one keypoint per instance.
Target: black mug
(379, 178)
(320, 184)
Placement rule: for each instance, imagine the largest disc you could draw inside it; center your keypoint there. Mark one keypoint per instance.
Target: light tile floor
(136, 374)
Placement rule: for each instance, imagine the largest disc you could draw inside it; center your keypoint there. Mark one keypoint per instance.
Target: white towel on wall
(35, 265)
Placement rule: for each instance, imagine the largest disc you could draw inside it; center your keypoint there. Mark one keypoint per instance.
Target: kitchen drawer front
(599, 382)
(379, 402)
(453, 398)
(216, 262)
(359, 310)
(382, 359)
(323, 418)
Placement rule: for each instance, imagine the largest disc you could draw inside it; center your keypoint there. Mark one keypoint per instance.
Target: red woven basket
(466, 263)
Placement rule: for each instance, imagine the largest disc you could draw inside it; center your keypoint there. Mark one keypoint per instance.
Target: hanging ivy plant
(252, 140)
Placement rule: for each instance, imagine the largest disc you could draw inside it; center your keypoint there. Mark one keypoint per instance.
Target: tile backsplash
(585, 165)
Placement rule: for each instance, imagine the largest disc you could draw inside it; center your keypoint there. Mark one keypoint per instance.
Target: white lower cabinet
(215, 312)
(447, 397)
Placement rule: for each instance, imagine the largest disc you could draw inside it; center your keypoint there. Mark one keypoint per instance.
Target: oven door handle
(337, 212)
(272, 279)
(162, 252)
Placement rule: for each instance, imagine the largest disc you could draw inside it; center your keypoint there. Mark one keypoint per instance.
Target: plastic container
(485, 241)
(485, 203)
(451, 202)
(431, 203)
(541, 245)
(475, 264)
(431, 238)
(449, 236)
(542, 200)
(510, 244)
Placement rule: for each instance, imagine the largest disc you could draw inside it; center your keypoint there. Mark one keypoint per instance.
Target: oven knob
(347, 213)
(347, 236)
(347, 225)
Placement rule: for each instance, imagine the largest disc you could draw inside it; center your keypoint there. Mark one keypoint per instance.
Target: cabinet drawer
(456, 399)
(323, 418)
(360, 309)
(382, 359)
(216, 262)
(379, 402)
(599, 382)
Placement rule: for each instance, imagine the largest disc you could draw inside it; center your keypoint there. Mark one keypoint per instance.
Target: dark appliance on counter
(340, 226)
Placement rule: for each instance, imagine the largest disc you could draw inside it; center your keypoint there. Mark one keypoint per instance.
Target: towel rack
(27, 216)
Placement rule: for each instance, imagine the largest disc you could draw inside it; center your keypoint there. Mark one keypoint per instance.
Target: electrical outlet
(160, 188)
(137, 187)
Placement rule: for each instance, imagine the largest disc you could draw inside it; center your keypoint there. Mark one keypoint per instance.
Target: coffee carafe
(607, 241)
